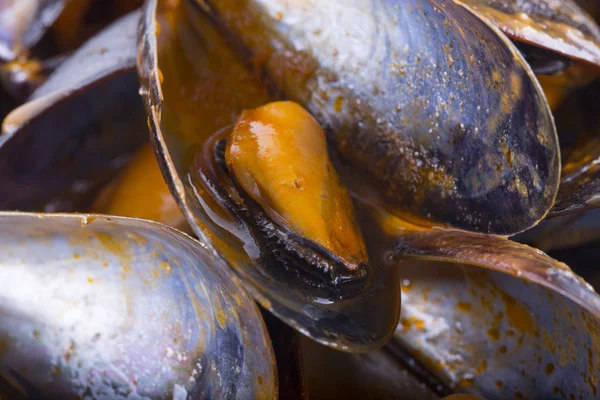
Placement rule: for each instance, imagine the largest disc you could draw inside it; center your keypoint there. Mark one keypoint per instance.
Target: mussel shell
(92, 106)
(498, 336)
(286, 346)
(107, 307)
(560, 26)
(580, 193)
(438, 107)
(23, 22)
(578, 121)
(378, 375)
(193, 85)
(567, 231)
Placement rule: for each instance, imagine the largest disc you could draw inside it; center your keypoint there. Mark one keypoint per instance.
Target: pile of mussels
(309, 164)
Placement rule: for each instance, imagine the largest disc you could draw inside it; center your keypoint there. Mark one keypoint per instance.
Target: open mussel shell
(94, 306)
(92, 107)
(561, 27)
(498, 336)
(23, 22)
(194, 85)
(436, 106)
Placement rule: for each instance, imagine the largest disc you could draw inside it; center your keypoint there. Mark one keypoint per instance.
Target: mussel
(562, 44)
(141, 175)
(563, 29)
(290, 193)
(438, 134)
(553, 37)
(108, 307)
(37, 35)
(59, 169)
(433, 122)
(498, 336)
(194, 99)
(22, 25)
(311, 66)
(330, 157)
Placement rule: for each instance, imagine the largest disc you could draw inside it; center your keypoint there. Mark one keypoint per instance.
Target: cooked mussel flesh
(290, 193)
(139, 191)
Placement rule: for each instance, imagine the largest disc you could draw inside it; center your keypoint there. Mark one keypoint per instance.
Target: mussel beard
(340, 271)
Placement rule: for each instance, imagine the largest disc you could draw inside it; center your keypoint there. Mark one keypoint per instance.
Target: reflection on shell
(111, 307)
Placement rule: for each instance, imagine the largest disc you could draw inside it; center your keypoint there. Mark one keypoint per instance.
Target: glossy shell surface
(108, 307)
(498, 336)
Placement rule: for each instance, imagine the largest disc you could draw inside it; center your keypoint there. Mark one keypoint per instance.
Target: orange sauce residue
(482, 367)
(464, 306)
(117, 247)
(518, 316)
(278, 154)
(412, 322)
